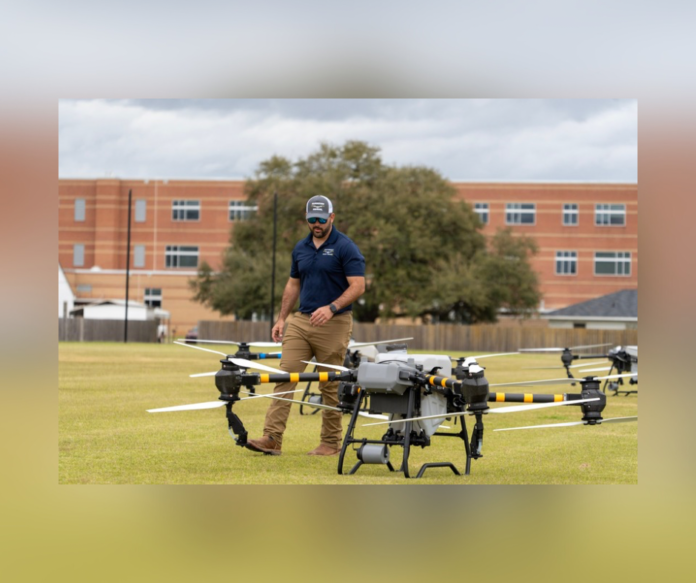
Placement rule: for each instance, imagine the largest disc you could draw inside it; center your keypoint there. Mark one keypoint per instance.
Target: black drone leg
(348, 439)
(407, 433)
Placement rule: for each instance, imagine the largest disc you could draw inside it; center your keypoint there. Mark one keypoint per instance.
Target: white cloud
(463, 139)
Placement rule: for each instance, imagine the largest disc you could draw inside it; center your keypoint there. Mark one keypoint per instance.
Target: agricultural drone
(624, 359)
(413, 393)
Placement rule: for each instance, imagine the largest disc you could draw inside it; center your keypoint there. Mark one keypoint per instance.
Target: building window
(181, 256)
(520, 213)
(186, 210)
(79, 209)
(78, 255)
(612, 263)
(570, 214)
(153, 297)
(566, 263)
(140, 210)
(613, 215)
(481, 209)
(139, 256)
(240, 211)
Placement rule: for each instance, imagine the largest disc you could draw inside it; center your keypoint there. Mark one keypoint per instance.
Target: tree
(425, 255)
(514, 286)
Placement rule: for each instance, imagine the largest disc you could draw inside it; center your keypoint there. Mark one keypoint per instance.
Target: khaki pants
(301, 341)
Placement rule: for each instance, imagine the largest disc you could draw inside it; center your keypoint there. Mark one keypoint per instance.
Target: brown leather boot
(324, 449)
(265, 444)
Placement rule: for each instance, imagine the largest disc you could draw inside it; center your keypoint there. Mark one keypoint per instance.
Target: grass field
(107, 437)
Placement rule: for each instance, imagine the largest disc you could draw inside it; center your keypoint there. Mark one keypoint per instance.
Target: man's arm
(290, 295)
(356, 288)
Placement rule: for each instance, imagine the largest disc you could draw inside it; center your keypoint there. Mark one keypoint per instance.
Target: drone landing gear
(235, 426)
(373, 451)
(614, 385)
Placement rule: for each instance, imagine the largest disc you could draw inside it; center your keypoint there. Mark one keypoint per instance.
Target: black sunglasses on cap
(313, 220)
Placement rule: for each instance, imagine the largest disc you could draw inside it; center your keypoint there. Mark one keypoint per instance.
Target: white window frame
(514, 211)
(80, 210)
(173, 255)
(238, 210)
(571, 215)
(140, 210)
(138, 255)
(152, 296)
(620, 259)
(607, 214)
(78, 255)
(481, 209)
(186, 210)
(566, 263)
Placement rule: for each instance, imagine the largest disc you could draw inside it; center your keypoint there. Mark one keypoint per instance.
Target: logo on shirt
(328, 252)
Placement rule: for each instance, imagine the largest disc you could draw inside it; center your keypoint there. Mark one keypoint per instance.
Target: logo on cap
(319, 206)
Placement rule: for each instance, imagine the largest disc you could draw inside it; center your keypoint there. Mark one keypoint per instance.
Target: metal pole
(125, 327)
(275, 228)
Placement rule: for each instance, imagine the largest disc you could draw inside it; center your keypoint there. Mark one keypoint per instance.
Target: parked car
(192, 335)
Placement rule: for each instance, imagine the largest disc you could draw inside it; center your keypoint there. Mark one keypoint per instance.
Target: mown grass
(107, 437)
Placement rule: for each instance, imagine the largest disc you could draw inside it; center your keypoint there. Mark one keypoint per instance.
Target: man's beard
(320, 231)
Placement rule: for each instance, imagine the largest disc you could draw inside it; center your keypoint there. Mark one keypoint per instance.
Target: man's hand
(277, 330)
(321, 316)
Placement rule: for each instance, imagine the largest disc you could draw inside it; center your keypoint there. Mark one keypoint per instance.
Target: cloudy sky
(464, 139)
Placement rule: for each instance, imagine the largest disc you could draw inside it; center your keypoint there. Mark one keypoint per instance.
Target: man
(327, 275)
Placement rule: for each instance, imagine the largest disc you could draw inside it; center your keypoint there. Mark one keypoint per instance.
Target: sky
(594, 140)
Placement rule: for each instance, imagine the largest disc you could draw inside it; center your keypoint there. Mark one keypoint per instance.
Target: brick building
(587, 235)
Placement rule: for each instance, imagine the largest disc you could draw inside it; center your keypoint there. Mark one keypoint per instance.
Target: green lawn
(107, 437)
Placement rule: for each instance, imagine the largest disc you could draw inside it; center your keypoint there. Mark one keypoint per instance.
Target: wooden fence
(88, 330)
(442, 337)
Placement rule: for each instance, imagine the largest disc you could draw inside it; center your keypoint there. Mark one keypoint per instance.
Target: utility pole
(125, 327)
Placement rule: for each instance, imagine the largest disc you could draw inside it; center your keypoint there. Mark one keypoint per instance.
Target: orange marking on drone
(444, 381)
(323, 377)
(500, 397)
(294, 377)
(264, 378)
(557, 398)
(528, 398)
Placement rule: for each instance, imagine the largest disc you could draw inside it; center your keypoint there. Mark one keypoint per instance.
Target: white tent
(66, 297)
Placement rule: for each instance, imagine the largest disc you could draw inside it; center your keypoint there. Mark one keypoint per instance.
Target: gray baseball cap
(320, 207)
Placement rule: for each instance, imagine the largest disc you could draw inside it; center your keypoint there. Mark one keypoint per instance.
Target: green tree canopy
(425, 255)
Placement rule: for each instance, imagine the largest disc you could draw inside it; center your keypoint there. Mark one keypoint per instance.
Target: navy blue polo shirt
(322, 272)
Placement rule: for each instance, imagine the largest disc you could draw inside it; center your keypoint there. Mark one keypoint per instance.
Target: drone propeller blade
(620, 419)
(556, 349)
(513, 409)
(305, 403)
(337, 367)
(243, 363)
(259, 344)
(192, 407)
(269, 396)
(483, 356)
(203, 374)
(199, 348)
(572, 423)
(583, 371)
(352, 344)
(373, 415)
(585, 364)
